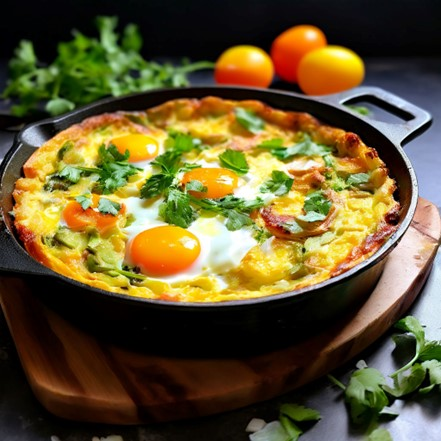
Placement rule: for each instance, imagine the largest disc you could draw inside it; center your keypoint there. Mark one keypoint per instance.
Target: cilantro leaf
(176, 209)
(234, 160)
(407, 382)
(279, 184)
(357, 179)
(249, 120)
(70, 173)
(365, 395)
(113, 169)
(182, 142)
(305, 147)
(316, 206)
(106, 206)
(235, 210)
(298, 413)
(157, 184)
(87, 68)
(413, 326)
(84, 200)
(195, 185)
(433, 368)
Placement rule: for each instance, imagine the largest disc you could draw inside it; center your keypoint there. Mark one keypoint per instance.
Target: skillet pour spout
(232, 327)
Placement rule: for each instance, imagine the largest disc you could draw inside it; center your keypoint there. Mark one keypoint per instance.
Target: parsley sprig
(112, 170)
(179, 206)
(368, 393)
(235, 210)
(279, 184)
(88, 68)
(316, 207)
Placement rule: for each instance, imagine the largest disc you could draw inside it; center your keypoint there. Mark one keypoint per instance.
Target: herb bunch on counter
(87, 69)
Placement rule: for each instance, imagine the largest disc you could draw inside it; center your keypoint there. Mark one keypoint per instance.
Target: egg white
(221, 249)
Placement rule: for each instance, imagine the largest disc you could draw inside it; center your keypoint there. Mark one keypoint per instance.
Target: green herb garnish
(316, 206)
(235, 210)
(106, 206)
(88, 68)
(279, 184)
(304, 147)
(235, 161)
(113, 171)
(249, 120)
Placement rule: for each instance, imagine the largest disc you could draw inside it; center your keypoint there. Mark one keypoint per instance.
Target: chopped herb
(357, 179)
(176, 208)
(113, 170)
(305, 147)
(316, 206)
(70, 173)
(157, 184)
(195, 185)
(279, 184)
(182, 142)
(234, 160)
(85, 200)
(106, 206)
(249, 120)
(235, 210)
(290, 424)
(365, 394)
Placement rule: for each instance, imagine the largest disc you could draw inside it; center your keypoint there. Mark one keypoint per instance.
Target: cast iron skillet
(236, 326)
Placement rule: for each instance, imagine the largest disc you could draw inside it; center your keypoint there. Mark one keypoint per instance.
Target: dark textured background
(201, 29)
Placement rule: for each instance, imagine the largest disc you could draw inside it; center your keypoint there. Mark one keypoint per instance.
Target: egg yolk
(164, 250)
(219, 182)
(141, 147)
(78, 218)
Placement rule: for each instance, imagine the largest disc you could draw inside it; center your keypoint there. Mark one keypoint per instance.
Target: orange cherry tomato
(78, 218)
(291, 45)
(330, 69)
(244, 65)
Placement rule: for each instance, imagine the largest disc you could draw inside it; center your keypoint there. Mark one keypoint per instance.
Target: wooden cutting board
(76, 376)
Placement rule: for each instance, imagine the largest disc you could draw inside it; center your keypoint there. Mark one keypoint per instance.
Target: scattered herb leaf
(306, 147)
(106, 206)
(316, 206)
(235, 161)
(249, 120)
(279, 184)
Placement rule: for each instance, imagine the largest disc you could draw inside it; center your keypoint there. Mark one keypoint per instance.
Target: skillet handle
(14, 260)
(415, 119)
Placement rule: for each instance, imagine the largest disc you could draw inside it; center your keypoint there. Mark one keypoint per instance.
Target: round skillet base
(228, 327)
(200, 331)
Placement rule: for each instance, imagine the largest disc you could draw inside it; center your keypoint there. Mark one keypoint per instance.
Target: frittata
(204, 200)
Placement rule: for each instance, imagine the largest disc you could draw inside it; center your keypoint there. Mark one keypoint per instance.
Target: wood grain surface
(76, 376)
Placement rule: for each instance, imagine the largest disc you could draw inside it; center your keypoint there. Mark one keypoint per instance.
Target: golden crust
(300, 251)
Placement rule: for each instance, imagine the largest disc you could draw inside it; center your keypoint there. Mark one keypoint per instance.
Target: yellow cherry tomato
(244, 65)
(330, 69)
(291, 45)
